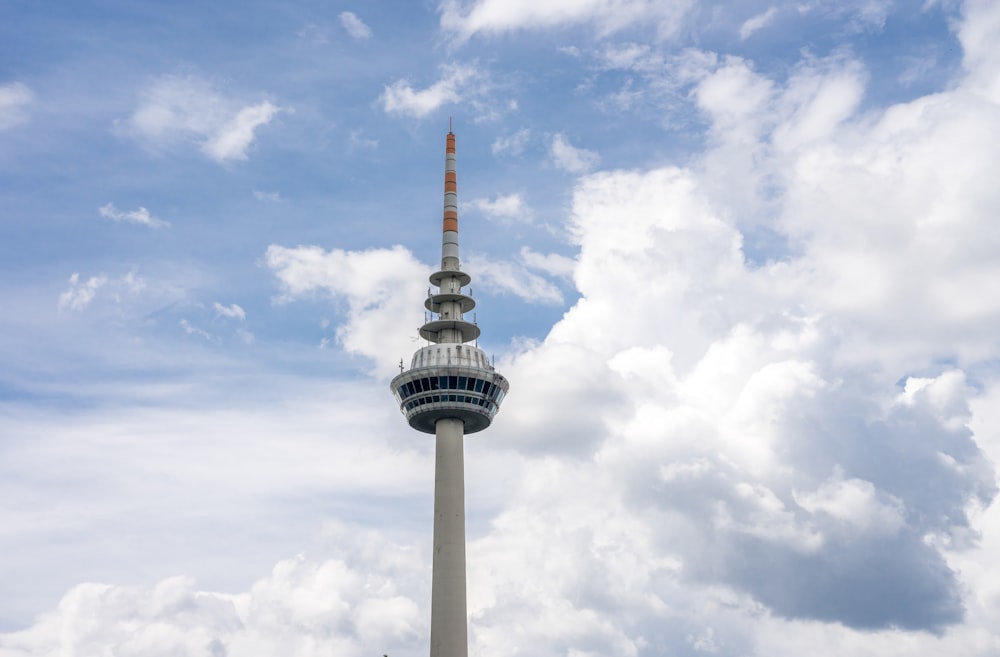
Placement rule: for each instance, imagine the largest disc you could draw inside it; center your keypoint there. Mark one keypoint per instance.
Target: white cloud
(550, 263)
(382, 287)
(567, 157)
(187, 108)
(231, 311)
(606, 16)
(138, 216)
(510, 277)
(757, 22)
(15, 98)
(361, 595)
(357, 140)
(79, 295)
(191, 329)
(355, 26)
(457, 80)
(855, 501)
(509, 207)
(273, 197)
(231, 140)
(512, 144)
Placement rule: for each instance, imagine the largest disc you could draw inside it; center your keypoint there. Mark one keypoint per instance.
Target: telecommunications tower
(451, 389)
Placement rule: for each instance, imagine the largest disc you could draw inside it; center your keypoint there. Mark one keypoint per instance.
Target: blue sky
(737, 259)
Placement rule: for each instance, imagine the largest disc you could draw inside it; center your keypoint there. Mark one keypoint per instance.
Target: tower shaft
(449, 631)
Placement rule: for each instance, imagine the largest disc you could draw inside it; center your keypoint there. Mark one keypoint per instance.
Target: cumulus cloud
(15, 98)
(344, 603)
(738, 416)
(572, 159)
(188, 108)
(380, 286)
(465, 19)
(457, 81)
(355, 26)
(138, 216)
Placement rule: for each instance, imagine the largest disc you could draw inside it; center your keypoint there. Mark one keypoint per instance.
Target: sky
(738, 260)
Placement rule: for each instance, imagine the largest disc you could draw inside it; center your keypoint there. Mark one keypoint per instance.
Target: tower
(450, 390)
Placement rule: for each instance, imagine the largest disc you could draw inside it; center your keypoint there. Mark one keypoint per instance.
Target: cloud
(568, 158)
(15, 98)
(382, 287)
(550, 263)
(79, 295)
(231, 311)
(190, 329)
(342, 603)
(357, 140)
(757, 22)
(512, 144)
(232, 139)
(273, 197)
(457, 80)
(512, 277)
(188, 108)
(509, 208)
(466, 19)
(355, 26)
(138, 216)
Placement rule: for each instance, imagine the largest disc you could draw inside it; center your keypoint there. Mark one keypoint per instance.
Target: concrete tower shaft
(451, 389)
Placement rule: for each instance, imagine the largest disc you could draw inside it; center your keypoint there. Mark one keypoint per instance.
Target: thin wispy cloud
(569, 158)
(81, 292)
(512, 277)
(232, 311)
(232, 138)
(175, 109)
(550, 263)
(15, 99)
(512, 144)
(757, 22)
(273, 197)
(139, 216)
(507, 208)
(191, 329)
(465, 19)
(355, 26)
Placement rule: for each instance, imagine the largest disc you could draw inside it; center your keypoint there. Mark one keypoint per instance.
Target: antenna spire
(449, 238)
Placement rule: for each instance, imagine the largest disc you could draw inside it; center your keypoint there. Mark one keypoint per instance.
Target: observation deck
(450, 381)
